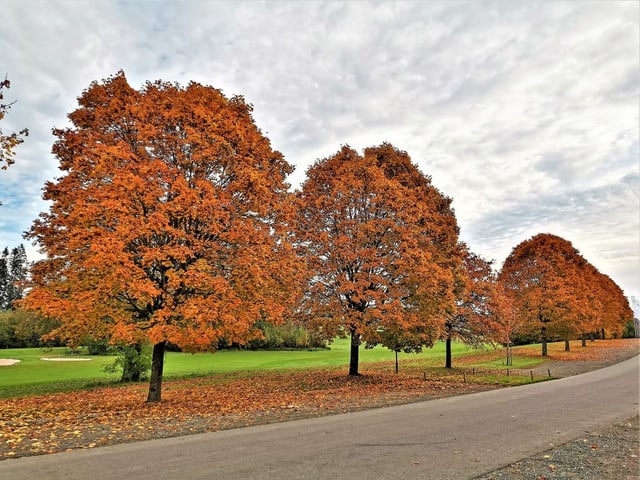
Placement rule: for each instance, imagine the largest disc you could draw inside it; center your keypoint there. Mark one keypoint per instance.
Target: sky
(525, 113)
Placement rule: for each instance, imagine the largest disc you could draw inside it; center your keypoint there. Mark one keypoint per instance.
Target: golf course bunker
(65, 359)
(5, 362)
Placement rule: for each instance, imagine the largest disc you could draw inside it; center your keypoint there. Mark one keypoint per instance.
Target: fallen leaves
(88, 419)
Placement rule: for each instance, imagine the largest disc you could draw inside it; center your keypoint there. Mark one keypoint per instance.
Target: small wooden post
(549, 371)
(531, 371)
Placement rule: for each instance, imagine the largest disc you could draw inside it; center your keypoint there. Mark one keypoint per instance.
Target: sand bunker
(65, 359)
(5, 362)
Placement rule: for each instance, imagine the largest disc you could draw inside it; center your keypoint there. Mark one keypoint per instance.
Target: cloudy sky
(526, 113)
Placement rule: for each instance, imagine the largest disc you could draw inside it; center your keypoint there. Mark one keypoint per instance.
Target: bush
(97, 346)
(286, 336)
(630, 329)
(134, 361)
(20, 329)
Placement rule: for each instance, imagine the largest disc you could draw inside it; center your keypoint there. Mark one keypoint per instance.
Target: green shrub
(134, 361)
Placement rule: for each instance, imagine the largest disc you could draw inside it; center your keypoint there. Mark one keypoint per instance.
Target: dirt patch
(6, 362)
(65, 359)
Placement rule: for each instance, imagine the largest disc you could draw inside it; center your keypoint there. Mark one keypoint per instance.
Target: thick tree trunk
(602, 337)
(447, 362)
(584, 340)
(355, 352)
(543, 335)
(157, 366)
(567, 346)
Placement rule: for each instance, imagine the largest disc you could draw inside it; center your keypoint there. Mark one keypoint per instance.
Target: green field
(34, 375)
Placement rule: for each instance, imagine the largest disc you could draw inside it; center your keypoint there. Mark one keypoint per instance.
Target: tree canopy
(476, 318)
(169, 223)
(557, 292)
(375, 234)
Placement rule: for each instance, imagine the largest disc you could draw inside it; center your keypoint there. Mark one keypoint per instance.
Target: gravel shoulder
(611, 453)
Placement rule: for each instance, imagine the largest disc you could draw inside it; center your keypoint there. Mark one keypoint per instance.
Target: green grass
(34, 376)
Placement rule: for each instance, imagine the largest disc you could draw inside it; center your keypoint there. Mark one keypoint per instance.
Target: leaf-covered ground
(87, 419)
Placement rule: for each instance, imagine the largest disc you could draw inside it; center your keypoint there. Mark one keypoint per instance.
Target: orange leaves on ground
(58, 422)
(598, 351)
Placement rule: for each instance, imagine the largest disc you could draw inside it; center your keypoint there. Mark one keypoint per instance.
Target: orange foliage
(558, 293)
(380, 244)
(170, 221)
(476, 318)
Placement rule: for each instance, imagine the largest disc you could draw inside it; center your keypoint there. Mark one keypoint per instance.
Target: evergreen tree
(13, 271)
(4, 278)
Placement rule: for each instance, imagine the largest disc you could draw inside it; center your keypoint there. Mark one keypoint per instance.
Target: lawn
(34, 375)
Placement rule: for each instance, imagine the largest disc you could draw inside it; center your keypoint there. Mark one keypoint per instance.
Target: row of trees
(173, 222)
(555, 292)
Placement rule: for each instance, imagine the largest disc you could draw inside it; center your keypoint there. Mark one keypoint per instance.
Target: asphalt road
(453, 438)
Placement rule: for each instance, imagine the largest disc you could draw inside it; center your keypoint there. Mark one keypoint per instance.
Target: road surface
(452, 438)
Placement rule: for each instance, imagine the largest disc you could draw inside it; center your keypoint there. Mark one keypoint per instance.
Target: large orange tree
(376, 236)
(169, 222)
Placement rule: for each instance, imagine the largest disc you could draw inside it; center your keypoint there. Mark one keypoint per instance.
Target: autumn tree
(169, 223)
(8, 142)
(510, 323)
(549, 284)
(372, 230)
(474, 321)
(615, 310)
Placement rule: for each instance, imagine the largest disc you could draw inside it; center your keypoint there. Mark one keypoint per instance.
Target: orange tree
(475, 319)
(374, 233)
(168, 224)
(552, 287)
(615, 310)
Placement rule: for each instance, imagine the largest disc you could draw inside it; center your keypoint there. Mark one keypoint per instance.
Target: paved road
(453, 438)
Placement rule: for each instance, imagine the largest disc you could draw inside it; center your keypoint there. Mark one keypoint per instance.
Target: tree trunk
(567, 346)
(397, 369)
(509, 355)
(447, 362)
(543, 335)
(602, 334)
(584, 340)
(157, 365)
(355, 352)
